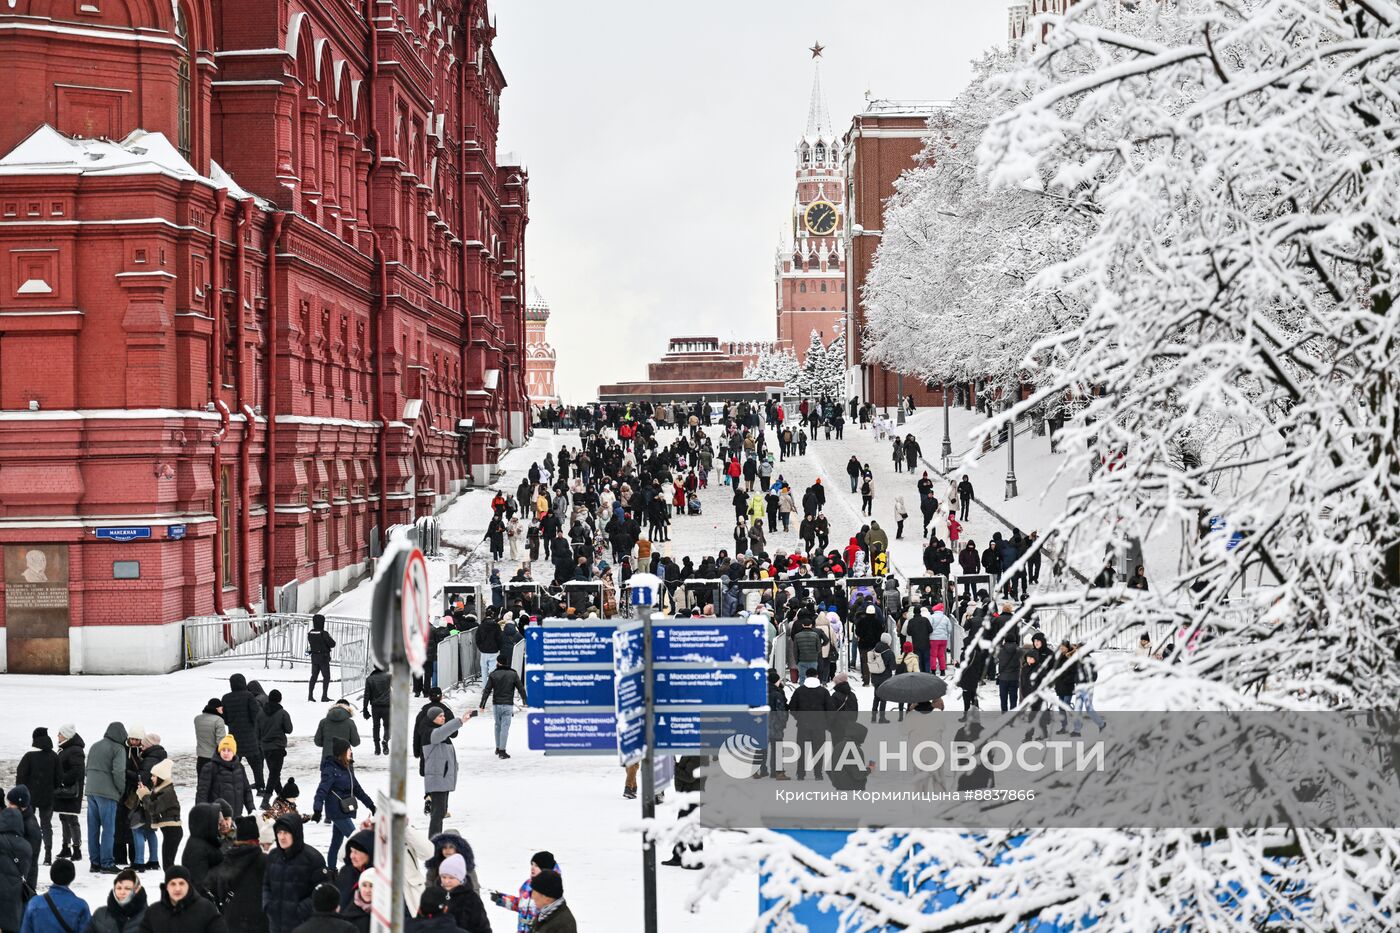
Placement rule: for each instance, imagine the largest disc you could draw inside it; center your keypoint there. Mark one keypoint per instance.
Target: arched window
(821, 152)
(823, 286)
(802, 287)
(182, 89)
(806, 154)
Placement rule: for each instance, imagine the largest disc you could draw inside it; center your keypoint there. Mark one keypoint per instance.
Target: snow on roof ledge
(48, 152)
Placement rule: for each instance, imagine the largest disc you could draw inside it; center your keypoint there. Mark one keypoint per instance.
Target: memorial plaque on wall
(36, 608)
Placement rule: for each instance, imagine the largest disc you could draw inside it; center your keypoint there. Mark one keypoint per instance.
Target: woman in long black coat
(223, 778)
(68, 791)
(237, 882)
(38, 771)
(203, 852)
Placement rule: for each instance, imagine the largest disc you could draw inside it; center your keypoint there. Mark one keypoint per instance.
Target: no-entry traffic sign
(414, 599)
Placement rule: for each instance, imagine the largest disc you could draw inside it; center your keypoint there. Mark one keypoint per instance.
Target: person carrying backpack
(881, 663)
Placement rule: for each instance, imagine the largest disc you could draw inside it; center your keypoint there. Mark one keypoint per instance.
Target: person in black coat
(38, 771)
(965, 497)
(845, 708)
(359, 913)
(319, 644)
(808, 706)
(777, 725)
(919, 630)
(16, 856)
(17, 801)
(272, 736)
(181, 908)
(359, 858)
(970, 678)
(125, 908)
(432, 913)
(322, 916)
(294, 869)
(203, 851)
(243, 715)
(223, 778)
(68, 791)
(379, 691)
(463, 902)
(236, 885)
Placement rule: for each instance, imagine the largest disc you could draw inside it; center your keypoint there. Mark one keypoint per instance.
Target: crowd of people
(618, 493)
(245, 866)
(235, 860)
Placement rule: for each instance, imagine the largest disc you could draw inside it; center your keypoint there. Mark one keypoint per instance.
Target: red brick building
(258, 266)
(881, 144)
(810, 272)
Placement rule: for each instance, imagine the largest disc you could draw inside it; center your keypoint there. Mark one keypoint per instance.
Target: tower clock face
(820, 217)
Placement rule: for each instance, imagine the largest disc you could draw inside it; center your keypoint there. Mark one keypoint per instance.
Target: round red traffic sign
(414, 608)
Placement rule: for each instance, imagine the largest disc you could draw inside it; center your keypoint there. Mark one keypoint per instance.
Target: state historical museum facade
(260, 299)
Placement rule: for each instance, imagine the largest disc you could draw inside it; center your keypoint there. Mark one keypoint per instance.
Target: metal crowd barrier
(279, 639)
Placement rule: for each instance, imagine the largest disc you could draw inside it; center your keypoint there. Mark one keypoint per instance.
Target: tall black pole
(947, 439)
(648, 776)
(1011, 451)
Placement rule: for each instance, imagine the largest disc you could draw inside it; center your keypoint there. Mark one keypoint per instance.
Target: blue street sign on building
(175, 532)
(556, 643)
(555, 688)
(124, 534)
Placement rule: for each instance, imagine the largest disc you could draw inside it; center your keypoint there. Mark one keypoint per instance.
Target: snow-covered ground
(572, 806)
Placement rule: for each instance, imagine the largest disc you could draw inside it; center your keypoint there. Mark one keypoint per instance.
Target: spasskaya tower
(809, 270)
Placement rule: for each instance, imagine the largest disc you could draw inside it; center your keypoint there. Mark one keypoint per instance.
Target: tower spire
(818, 120)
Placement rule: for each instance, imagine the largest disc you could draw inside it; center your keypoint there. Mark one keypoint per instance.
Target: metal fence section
(279, 639)
(424, 533)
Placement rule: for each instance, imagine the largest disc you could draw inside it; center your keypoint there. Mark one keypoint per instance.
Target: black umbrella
(912, 688)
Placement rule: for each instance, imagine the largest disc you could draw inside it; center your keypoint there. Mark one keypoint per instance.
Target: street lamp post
(899, 390)
(947, 439)
(1011, 455)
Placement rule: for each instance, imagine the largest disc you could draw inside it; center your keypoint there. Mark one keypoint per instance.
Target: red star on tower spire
(816, 49)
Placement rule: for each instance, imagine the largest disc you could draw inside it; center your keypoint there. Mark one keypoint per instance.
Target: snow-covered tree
(823, 372)
(773, 365)
(1236, 357)
(948, 299)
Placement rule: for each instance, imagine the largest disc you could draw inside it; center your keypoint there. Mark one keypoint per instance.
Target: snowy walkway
(570, 805)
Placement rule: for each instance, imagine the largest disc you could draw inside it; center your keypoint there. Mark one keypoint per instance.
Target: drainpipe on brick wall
(278, 221)
(379, 306)
(381, 313)
(215, 381)
(462, 254)
(245, 532)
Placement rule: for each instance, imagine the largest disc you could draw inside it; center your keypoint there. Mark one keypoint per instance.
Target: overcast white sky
(659, 136)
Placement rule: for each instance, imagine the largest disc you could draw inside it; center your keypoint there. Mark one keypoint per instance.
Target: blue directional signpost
(676, 686)
(584, 678)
